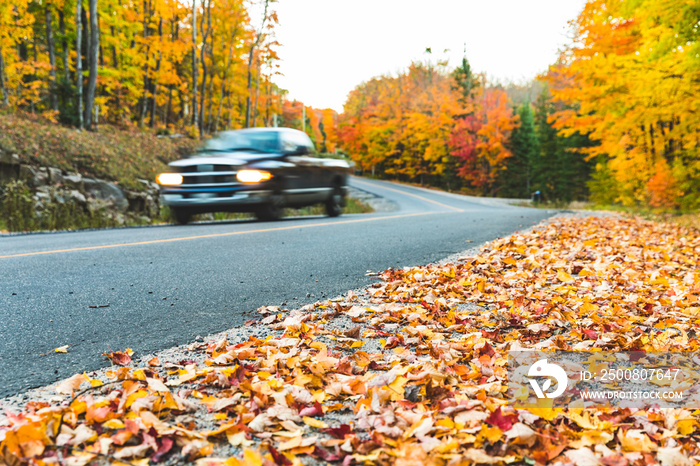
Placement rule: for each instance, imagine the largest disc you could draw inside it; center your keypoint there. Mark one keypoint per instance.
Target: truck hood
(225, 158)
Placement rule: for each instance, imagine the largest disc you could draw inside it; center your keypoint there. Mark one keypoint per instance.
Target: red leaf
(164, 446)
(483, 348)
(119, 358)
(324, 455)
(339, 432)
(311, 411)
(278, 457)
(502, 421)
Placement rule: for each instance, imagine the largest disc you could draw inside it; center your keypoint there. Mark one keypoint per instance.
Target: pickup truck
(258, 170)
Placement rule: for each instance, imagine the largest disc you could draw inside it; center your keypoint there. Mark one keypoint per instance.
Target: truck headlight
(253, 176)
(169, 179)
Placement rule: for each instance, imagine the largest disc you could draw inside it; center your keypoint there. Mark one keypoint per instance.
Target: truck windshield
(260, 141)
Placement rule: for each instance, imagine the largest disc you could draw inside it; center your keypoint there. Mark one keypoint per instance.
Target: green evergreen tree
(464, 81)
(516, 179)
(560, 171)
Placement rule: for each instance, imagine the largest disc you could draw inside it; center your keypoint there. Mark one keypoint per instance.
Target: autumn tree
(400, 126)
(629, 80)
(480, 140)
(161, 63)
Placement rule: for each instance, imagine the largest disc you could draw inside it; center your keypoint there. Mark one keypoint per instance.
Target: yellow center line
(411, 194)
(215, 235)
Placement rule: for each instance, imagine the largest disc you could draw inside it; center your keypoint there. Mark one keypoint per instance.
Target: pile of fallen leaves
(419, 378)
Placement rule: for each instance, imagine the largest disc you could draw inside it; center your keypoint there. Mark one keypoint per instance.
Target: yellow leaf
(448, 446)
(591, 437)
(686, 426)
(491, 433)
(113, 424)
(291, 443)
(311, 422)
(636, 440)
(396, 387)
(238, 439)
(135, 396)
(564, 277)
(588, 420)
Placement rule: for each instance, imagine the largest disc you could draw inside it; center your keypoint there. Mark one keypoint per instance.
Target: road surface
(157, 287)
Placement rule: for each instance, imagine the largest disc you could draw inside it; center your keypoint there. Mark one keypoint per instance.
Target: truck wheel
(273, 210)
(182, 216)
(334, 204)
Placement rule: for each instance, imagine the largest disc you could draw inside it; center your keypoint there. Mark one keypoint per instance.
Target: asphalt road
(156, 287)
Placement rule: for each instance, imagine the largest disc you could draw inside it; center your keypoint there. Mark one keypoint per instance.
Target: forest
(614, 120)
(164, 64)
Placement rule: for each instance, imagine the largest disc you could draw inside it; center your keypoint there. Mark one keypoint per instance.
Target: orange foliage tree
(423, 126)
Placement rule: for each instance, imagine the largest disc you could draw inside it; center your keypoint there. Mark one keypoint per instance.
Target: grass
(122, 155)
(352, 206)
(685, 219)
(18, 212)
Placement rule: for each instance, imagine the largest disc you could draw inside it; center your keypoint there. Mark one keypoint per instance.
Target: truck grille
(213, 175)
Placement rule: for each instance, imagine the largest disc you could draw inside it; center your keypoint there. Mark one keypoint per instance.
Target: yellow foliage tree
(631, 78)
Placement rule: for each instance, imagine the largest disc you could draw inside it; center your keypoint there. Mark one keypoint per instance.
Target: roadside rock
(144, 203)
(35, 177)
(55, 175)
(53, 189)
(74, 181)
(77, 197)
(9, 167)
(106, 192)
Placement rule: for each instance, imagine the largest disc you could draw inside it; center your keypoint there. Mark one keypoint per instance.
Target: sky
(328, 47)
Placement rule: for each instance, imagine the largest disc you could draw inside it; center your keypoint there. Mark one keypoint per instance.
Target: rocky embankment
(48, 185)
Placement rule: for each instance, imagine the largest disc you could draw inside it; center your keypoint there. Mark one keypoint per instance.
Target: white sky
(331, 46)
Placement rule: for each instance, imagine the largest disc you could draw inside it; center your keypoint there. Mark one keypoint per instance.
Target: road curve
(156, 287)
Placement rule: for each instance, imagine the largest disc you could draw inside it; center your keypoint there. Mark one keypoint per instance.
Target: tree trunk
(205, 69)
(93, 60)
(250, 87)
(79, 64)
(115, 61)
(257, 92)
(146, 70)
(166, 119)
(258, 37)
(155, 81)
(3, 89)
(52, 57)
(224, 83)
(64, 45)
(195, 73)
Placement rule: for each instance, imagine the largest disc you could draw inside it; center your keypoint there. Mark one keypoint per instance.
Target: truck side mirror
(301, 150)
